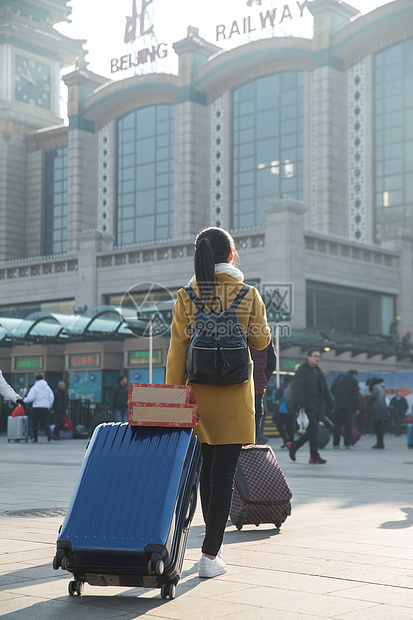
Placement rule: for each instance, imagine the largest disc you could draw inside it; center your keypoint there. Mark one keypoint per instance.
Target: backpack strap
(192, 295)
(240, 296)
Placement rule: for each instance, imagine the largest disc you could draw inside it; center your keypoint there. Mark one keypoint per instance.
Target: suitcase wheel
(168, 590)
(155, 565)
(64, 563)
(8, 440)
(239, 524)
(76, 587)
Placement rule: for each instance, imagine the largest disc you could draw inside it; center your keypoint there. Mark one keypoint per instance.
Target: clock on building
(31, 82)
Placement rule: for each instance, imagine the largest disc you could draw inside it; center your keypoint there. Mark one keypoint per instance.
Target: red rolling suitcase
(128, 520)
(261, 493)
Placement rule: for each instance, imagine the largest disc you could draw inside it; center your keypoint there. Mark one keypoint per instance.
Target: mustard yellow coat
(226, 412)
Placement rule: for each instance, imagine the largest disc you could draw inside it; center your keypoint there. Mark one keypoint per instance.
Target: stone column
(82, 185)
(404, 303)
(191, 191)
(86, 290)
(283, 262)
(329, 119)
(82, 156)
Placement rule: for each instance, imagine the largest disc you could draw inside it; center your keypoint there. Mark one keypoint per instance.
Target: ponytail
(204, 264)
(212, 246)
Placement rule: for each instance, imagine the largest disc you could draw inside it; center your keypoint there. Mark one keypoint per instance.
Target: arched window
(145, 175)
(267, 144)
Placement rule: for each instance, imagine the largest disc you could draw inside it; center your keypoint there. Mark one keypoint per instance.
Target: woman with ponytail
(226, 412)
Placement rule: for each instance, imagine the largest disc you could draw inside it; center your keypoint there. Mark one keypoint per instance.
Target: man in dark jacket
(310, 390)
(264, 365)
(346, 394)
(59, 408)
(398, 408)
(119, 400)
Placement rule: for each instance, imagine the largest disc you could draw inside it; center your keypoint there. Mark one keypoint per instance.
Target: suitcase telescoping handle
(191, 507)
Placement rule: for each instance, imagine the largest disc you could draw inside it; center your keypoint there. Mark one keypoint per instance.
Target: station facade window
(267, 144)
(348, 309)
(55, 201)
(145, 175)
(393, 100)
(20, 311)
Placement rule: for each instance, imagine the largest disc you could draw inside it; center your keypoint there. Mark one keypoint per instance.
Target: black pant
(259, 416)
(343, 417)
(40, 414)
(310, 435)
(379, 430)
(58, 423)
(398, 419)
(286, 426)
(216, 487)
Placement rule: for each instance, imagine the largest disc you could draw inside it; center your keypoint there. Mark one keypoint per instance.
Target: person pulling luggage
(226, 407)
(7, 391)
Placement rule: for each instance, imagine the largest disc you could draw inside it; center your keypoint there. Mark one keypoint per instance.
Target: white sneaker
(211, 568)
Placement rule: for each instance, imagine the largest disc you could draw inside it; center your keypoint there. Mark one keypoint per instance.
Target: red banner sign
(88, 360)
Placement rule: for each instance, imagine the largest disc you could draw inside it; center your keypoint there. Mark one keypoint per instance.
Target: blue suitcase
(128, 520)
(410, 435)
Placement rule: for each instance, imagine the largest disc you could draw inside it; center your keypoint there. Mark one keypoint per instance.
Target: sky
(102, 23)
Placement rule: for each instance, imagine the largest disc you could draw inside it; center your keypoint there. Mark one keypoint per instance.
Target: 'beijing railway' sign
(265, 19)
(138, 26)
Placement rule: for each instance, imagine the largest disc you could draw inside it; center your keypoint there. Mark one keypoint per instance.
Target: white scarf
(229, 269)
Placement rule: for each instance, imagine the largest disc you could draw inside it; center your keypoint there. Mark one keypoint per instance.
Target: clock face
(32, 82)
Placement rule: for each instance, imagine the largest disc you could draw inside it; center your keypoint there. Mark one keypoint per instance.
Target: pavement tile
(293, 581)
(377, 575)
(32, 608)
(149, 602)
(300, 602)
(259, 613)
(377, 612)
(345, 552)
(398, 596)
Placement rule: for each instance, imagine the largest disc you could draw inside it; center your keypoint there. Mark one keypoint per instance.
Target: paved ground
(345, 553)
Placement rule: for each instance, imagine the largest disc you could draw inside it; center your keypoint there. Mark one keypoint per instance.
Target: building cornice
(38, 37)
(46, 139)
(378, 29)
(228, 69)
(114, 99)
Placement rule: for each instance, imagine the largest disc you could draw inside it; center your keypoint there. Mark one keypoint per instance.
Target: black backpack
(218, 348)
